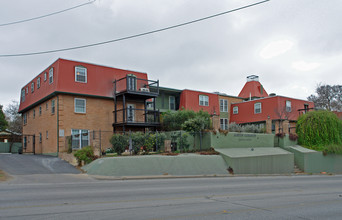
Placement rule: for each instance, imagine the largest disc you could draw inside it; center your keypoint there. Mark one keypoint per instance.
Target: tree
(3, 121)
(14, 118)
(328, 97)
(320, 130)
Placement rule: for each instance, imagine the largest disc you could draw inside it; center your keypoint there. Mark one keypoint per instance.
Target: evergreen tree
(3, 122)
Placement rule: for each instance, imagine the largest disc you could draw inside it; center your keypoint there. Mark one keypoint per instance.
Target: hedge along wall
(241, 140)
(311, 161)
(193, 140)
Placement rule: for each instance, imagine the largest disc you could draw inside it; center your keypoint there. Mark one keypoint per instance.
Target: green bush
(320, 130)
(119, 143)
(85, 154)
(183, 143)
(138, 141)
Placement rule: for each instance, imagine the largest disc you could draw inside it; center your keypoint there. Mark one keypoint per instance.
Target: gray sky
(291, 44)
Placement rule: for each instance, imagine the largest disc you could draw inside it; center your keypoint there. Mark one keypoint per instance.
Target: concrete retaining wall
(184, 164)
(241, 140)
(311, 161)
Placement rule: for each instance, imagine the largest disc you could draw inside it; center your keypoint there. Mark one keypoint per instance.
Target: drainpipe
(57, 125)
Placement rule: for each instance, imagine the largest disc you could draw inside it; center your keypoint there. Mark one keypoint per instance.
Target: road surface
(263, 197)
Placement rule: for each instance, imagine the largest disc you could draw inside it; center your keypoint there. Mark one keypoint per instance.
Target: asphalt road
(268, 197)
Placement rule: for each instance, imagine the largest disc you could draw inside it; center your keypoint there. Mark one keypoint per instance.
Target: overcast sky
(291, 44)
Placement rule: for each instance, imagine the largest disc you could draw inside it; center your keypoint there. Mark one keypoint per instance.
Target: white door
(130, 113)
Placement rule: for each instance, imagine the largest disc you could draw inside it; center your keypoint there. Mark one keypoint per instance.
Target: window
(40, 137)
(23, 95)
(25, 118)
(80, 105)
(257, 108)
(47, 134)
(38, 83)
(203, 100)
(32, 87)
(80, 74)
(236, 110)
(79, 138)
(44, 76)
(224, 123)
(40, 110)
(26, 90)
(172, 103)
(34, 113)
(47, 106)
(51, 75)
(52, 106)
(288, 106)
(223, 105)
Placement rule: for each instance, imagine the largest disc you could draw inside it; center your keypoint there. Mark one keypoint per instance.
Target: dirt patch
(3, 176)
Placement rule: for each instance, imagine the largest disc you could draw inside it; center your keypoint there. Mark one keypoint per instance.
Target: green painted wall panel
(241, 140)
(315, 162)
(5, 147)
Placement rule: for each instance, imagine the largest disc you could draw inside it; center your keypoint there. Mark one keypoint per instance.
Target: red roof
(253, 89)
(99, 81)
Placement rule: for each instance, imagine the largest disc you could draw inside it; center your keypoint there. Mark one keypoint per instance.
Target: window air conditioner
(144, 90)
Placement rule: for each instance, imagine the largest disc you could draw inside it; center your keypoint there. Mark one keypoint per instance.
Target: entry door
(132, 83)
(130, 113)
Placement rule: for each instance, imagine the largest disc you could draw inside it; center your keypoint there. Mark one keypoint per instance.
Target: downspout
(57, 125)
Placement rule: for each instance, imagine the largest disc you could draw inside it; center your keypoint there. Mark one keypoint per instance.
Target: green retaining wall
(311, 161)
(241, 140)
(5, 147)
(283, 142)
(154, 165)
(258, 160)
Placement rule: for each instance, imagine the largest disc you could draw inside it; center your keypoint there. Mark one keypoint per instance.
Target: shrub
(320, 129)
(119, 143)
(280, 135)
(85, 154)
(182, 142)
(249, 128)
(138, 141)
(160, 138)
(293, 137)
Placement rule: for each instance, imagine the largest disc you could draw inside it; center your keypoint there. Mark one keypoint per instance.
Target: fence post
(156, 140)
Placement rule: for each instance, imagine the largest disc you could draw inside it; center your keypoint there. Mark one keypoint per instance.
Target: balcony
(131, 85)
(136, 117)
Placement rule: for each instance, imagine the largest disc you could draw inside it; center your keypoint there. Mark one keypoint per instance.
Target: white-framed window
(81, 74)
(25, 118)
(23, 95)
(235, 110)
(26, 90)
(79, 138)
(172, 103)
(224, 123)
(131, 82)
(80, 105)
(257, 108)
(288, 106)
(223, 105)
(203, 100)
(40, 110)
(45, 76)
(51, 75)
(52, 106)
(38, 83)
(32, 87)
